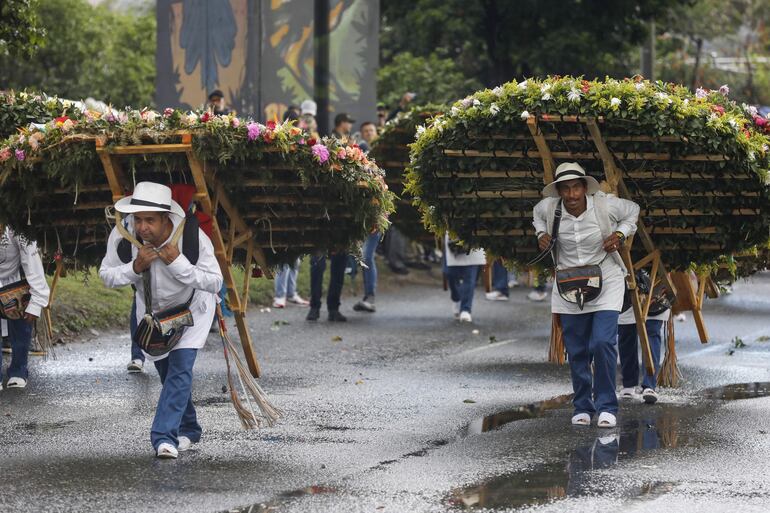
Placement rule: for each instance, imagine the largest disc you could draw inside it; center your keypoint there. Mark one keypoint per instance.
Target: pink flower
(724, 90)
(5, 154)
(321, 152)
(253, 130)
(168, 112)
(236, 122)
(701, 93)
(760, 121)
(341, 153)
(20, 155)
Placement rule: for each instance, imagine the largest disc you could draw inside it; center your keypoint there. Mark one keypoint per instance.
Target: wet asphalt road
(392, 418)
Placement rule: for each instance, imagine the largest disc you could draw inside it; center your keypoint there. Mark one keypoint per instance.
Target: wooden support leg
(639, 313)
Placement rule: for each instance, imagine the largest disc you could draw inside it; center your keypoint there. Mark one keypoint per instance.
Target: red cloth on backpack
(183, 194)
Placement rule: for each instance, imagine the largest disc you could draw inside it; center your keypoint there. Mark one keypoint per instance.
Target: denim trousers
(462, 284)
(370, 274)
(20, 335)
(338, 261)
(286, 280)
(592, 337)
(628, 347)
(500, 278)
(175, 415)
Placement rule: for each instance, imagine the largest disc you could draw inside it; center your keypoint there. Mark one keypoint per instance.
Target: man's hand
(144, 258)
(30, 318)
(612, 243)
(168, 253)
(544, 241)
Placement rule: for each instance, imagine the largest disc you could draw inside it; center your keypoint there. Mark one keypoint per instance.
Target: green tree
(20, 31)
(434, 79)
(91, 51)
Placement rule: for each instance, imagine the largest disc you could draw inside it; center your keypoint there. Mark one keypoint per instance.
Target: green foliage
(319, 195)
(20, 109)
(434, 79)
(497, 40)
(91, 52)
(489, 133)
(21, 33)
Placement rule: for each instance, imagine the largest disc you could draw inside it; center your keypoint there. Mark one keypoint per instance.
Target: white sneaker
(167, 451)
(298, 300)
(279, 302)
(606, 440)
(649, 396)
(496, 295)
(606, 420)
(465, 317)
(680, 317)
(16, 383)
(513, 284)
(537, 296)
(456, 309)
(184, 443)
(628, 393)
(134, 366)
(581, 419)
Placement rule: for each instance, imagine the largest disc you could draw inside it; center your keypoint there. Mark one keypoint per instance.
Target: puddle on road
(572, 475)
(738, 391)
(529, 411)
(280, 501)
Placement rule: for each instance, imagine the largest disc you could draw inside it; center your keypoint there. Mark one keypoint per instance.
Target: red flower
(271, 125)
(586, 86)
(760, 121)
(205, 117)
(312, 141)
(719, 109)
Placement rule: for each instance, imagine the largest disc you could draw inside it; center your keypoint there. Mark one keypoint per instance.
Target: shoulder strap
(554, 235)
(191, 240)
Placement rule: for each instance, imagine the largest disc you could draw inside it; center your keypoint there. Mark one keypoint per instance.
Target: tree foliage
(91, 52)
(20, 31)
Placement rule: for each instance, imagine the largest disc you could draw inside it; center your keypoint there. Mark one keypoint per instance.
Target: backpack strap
(190, 240)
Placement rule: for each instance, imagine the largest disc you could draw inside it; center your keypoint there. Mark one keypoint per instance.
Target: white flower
(663, 97)
(494, 109)
(522, 85)
(150, 116)
(573, 95)
(525, 115)
(700, 93)
(614, 101)
(713, 117)
(466, 102)
(66, 104)
(686, 102)
(476, 102)
(455, 111)
(420, 130)
(733, 124)
(724, 90)
(498, 91)
(545, 88)
(752, 157)
(752, 110)
(639, 86)
(765, 148)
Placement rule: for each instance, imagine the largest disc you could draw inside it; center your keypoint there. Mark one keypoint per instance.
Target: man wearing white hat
(156, 220)
(584, 241)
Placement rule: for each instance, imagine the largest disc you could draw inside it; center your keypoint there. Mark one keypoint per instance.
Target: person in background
(370, 273)
(307, 117)
(286, 286)
(295, 110)
(462, 270)
(217, 103)
(500, 289)
(343, 124)
(538, 294)
(382, 116)
(368, 135)
(338, 262)
(403, 105)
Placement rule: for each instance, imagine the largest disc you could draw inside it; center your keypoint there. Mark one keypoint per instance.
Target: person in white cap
(156, 220)
(590, 232)
(20, 260)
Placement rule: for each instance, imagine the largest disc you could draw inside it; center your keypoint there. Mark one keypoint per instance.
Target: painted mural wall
(261, 54)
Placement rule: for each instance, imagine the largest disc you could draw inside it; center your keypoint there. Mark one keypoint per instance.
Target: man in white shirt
(19, 256)
(592, 229)
(154, 218)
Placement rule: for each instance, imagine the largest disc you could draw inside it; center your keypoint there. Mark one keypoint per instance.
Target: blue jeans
(628, 347)
(136, 351)
(175, 415)
(592, 337)
(370, 274)
(462, 284)
(336, 280)
(20, 334)
(286, 280)
(500, 278)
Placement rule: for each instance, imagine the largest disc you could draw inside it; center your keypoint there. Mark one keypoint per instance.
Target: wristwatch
(621, 236)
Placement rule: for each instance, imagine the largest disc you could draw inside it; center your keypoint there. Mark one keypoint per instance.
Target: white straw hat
(308, 107)
(570, 171)
(149, 197)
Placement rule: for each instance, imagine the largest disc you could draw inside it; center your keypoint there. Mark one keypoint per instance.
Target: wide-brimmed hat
(149, 197)
(570, 171)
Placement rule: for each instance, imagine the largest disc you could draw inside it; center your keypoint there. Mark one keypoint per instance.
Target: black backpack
(190, 242)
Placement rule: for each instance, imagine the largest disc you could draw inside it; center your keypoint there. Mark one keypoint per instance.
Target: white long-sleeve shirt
(580, 243)
(172, 284)
(17, 254)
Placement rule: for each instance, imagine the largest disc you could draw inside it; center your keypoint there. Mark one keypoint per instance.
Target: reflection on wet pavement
(572, 476)
(280, 501)
(529, 411)
(738, 391)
